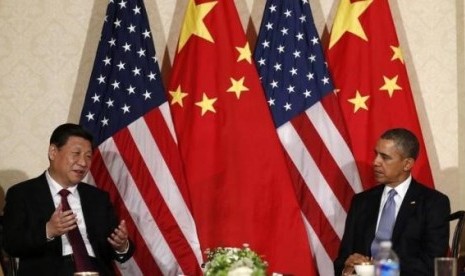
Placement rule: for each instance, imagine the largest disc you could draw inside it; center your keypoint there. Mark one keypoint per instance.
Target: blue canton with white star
(125, 82)
(290, 59)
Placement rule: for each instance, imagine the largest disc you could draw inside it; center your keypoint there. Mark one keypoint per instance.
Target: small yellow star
(244, 53)
(390, 85)
(397, 54)
(347, 20)
(193, 22)
(177, 95)
(359, 101)
(237, 86)
(206, 104)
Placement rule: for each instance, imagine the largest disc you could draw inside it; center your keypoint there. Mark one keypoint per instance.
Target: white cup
(445, 266)
(365, 269)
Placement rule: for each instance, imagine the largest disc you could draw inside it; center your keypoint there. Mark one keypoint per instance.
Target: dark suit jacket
(29, 205)
(420, 234)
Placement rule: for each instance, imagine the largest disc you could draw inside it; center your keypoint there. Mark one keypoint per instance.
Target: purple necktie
(82, 260)
(386, 222)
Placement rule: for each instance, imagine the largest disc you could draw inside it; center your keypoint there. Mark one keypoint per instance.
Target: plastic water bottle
(386, 261)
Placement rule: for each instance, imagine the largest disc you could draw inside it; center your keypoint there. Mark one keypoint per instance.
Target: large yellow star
(177, 95)
(347, 20)
(359, 101)
(237, 86)
(193, 22)
(244, 53)
(390, 85)
(397, 54)
(206, 104)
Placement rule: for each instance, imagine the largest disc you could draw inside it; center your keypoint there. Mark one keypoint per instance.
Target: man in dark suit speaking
(57, 225)
(411, 215)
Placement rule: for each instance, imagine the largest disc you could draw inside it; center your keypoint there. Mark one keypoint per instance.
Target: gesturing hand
(61, 222)
(353, 260)
(119, 238)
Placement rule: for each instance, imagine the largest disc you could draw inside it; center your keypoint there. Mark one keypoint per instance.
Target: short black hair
(62, 133)
(405, 141)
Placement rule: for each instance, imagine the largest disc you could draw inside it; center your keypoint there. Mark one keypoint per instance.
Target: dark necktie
(82, 260)
(386, 222)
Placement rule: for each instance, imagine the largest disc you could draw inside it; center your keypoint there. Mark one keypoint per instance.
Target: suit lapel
(44, 196)
(372, 215)
(86, 206)
(407, 209)
(45, 206)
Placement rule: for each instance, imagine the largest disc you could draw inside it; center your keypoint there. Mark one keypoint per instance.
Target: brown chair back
(458, 240)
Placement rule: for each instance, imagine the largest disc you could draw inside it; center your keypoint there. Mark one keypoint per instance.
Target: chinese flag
(371, 80)
(239, 184)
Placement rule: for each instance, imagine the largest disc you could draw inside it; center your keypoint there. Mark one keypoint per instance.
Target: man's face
(70, 163)
(390, 166)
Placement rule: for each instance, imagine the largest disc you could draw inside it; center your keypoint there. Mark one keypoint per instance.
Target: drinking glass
(445, 266)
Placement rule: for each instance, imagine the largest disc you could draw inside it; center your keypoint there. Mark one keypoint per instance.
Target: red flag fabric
(136, 158)
(239, 184)
(366, 62)
(300, 95)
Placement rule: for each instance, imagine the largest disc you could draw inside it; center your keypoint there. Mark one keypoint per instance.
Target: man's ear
(408, 164)
(52, 151)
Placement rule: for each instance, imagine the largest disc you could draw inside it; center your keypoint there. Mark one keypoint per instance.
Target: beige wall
(47, 49)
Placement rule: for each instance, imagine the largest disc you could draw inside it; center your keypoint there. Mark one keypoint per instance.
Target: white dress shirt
(75, 204)
(401, 190)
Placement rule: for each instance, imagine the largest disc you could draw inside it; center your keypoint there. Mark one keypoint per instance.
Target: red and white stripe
(326, 178)
(140, 167)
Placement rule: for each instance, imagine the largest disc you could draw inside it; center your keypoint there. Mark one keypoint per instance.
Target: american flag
(306, 113)
(136, 158)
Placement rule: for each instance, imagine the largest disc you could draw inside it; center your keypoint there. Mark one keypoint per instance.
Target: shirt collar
(401, 189)
(55, 187)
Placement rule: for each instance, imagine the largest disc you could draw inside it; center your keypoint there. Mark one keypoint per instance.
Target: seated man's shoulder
(25, 185)
(367, 198)
(88, 188)
(375, 190)
(432, 197)
(430, 192)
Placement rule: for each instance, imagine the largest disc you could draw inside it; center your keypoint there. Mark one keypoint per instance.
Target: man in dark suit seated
(420, 228)
(57, 225)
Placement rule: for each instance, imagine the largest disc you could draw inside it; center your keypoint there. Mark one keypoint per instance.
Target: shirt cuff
(124, 251)
(46, 235)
